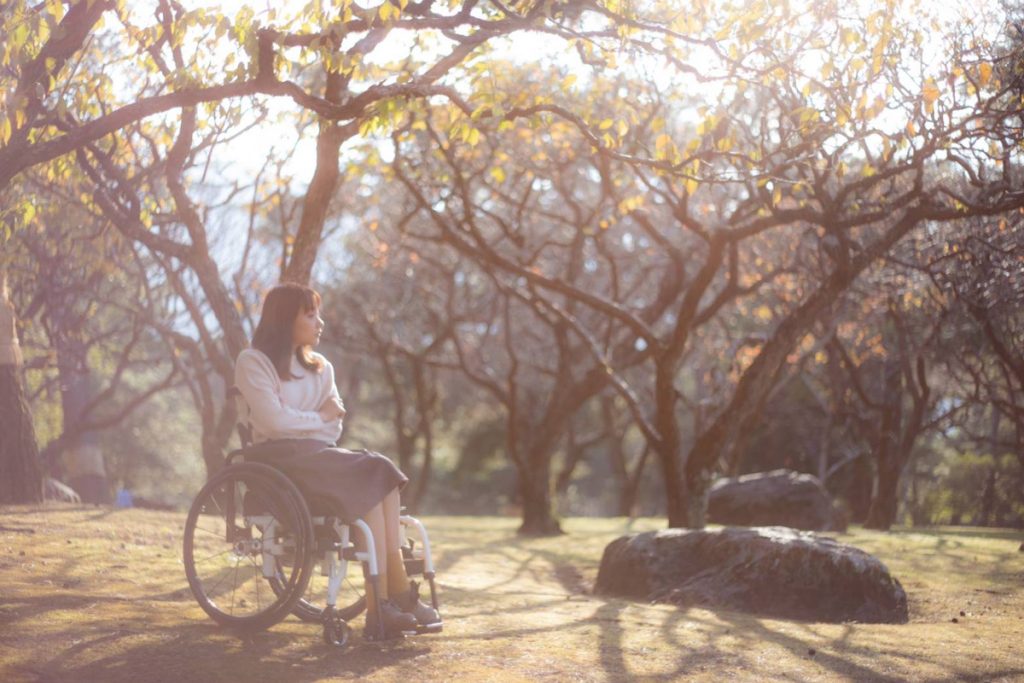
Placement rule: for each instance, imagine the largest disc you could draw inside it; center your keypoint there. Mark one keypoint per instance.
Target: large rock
(773, 571)
(776, 498)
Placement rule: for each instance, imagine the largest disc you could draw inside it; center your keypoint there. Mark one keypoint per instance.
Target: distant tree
(799, 154)
(74, 275)
(61, 98)
(979, 267)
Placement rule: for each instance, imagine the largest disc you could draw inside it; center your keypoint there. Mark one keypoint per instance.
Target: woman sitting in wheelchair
(295, 411)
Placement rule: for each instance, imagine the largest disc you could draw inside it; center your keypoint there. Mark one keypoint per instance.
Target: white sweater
(286, 409)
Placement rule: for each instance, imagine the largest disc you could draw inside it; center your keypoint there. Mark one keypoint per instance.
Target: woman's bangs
(310, 300)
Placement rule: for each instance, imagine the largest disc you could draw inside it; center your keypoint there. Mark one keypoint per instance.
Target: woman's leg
(397, 579)
(401, 590)
(375, 519)
(393, 619)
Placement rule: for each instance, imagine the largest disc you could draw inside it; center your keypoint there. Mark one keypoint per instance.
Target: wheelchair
(254, 553)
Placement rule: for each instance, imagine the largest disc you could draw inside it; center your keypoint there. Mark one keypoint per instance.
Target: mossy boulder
(772, 571)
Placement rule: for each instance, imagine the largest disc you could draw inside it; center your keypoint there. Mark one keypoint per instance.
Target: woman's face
(308, 327)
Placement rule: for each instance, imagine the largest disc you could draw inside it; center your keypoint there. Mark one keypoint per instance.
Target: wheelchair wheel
(351, 601)
(336, 631)
(249, 521)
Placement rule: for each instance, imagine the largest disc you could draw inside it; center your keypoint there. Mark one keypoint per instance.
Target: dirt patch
(99, 595)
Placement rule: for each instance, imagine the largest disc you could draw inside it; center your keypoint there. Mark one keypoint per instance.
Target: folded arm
(269, 415)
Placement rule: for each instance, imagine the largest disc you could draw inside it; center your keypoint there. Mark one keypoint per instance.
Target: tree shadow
(204, 652)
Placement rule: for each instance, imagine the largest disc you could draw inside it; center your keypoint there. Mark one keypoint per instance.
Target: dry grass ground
(92, 594)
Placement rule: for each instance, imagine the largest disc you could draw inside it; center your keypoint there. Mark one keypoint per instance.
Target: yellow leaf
(985, 73)
(498, 174)
(930, 92)
(606, 124)
(876, 62)
(691, 185)
(387, 10)
(55, 9)
(763, 312)
(5, 130)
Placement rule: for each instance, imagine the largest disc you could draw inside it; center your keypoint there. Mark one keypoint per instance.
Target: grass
(94, 594)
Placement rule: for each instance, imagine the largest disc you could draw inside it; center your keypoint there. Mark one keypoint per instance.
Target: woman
(293, 401)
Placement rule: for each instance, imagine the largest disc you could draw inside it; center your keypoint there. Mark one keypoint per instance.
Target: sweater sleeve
(255, 379)
(332, 392)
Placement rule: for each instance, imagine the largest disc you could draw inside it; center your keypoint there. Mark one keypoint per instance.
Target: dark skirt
(334, 481)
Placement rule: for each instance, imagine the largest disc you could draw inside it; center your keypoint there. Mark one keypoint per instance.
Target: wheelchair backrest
(244, 417)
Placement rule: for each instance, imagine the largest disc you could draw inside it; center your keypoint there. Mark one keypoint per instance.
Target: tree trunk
(988, 498)
(888, 463)
(698, 486)
(825, 446)
(762, 375)
(669, 449)
(82, 457)
(573, 455)
(630, 486)
(538, 509)
(21, 474)
(423, 480)
(213, 454)
(535, 493)
(318, 195)
(406, 445)
(884, 504)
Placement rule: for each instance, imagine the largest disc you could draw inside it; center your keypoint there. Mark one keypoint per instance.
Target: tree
(142, 175)
(782, 152)
(21, 478)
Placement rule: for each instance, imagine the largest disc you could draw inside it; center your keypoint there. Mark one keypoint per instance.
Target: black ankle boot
(396, 622)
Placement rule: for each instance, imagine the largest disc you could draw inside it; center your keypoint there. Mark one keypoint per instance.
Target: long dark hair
(273, 336)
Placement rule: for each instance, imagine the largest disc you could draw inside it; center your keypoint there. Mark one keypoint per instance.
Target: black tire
(310, 607)
(337, 632)
(217, 567)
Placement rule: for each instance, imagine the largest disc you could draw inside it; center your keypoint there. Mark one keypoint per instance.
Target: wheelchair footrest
(414, 566)
(431, 628)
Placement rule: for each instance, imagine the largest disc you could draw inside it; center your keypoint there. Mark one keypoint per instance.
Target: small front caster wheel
(336, 631)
